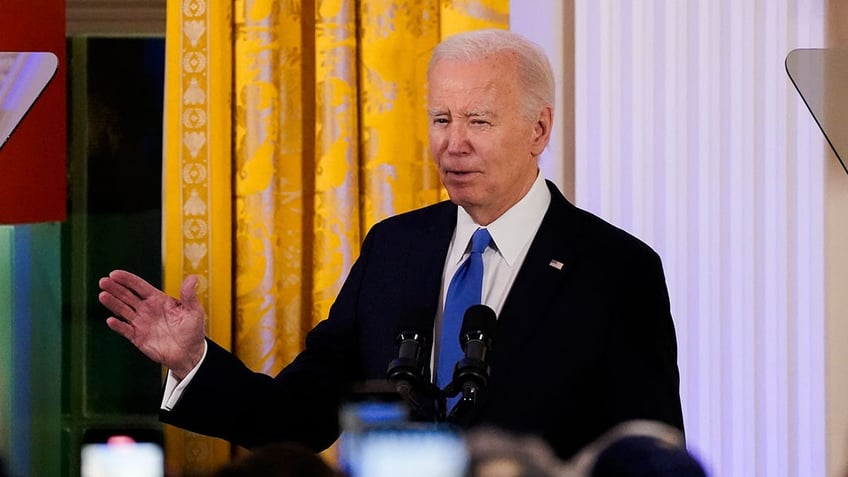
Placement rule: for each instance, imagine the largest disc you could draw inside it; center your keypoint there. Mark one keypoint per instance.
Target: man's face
(484, 148)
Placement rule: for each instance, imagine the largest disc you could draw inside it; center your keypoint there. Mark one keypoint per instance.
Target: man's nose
(458, 140)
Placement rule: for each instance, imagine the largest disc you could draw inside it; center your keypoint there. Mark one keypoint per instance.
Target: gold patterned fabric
(395, 43)
(197, 217)
(291, 128)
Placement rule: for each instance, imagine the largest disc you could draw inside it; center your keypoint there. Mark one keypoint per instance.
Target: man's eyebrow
(466, 114)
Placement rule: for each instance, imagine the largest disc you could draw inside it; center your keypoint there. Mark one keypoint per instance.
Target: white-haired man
(584, 337)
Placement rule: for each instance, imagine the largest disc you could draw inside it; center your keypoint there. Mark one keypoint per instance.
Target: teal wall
(30, 348)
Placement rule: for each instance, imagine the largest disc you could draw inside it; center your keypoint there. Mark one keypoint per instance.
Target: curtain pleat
(335, 222)
(267, 180)
(690, 135)
(395, 44)
(291, 128)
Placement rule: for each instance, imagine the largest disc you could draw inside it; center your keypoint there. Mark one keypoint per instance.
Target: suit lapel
(545, 267)
(547, 264)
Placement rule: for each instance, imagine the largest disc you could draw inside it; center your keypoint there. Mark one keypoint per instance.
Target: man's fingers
(119, 292)
(122, 328)
(134, 283)
(116, 305)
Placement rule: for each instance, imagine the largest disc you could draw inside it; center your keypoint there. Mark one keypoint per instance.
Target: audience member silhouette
(637, 449)
(278, 460)
(495, 453)
(645, 456)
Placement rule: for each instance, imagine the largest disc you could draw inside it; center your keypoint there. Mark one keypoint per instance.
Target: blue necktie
(464, 291)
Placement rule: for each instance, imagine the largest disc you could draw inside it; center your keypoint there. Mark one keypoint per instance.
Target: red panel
(32, 162)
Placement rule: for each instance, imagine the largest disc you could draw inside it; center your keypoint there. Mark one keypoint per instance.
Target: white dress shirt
(512, 233)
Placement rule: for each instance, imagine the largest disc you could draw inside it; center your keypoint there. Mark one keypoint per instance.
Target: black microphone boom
(471, 373)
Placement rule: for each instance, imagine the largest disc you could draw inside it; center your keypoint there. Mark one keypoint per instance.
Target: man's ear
(542, 131)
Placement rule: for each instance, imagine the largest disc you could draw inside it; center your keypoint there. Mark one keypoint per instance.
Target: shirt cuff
(174, 387)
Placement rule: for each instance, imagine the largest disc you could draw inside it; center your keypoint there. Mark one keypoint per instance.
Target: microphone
(407, 370)
(471, 373)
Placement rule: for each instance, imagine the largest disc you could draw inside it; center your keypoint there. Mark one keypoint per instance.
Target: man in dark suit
(584, 336)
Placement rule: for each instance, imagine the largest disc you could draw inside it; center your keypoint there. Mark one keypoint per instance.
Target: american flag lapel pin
(556, 264)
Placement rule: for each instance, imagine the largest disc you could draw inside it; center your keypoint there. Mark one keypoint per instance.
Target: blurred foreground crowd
(633, 449)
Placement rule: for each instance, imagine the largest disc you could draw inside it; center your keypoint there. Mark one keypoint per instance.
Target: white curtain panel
(690, 135)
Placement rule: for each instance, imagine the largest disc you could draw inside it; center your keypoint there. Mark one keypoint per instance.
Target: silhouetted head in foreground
(645, 456)
(278, 460)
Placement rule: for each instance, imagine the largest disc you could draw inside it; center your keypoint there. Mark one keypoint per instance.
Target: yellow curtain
(291, 128)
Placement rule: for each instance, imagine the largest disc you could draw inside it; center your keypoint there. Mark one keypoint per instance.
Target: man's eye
(440, 120)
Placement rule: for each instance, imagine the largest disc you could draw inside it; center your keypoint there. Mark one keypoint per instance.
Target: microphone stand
(470, 377)
(415, 394)
(462, 409)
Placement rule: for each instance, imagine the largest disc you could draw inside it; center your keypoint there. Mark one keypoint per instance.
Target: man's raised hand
(168, 331)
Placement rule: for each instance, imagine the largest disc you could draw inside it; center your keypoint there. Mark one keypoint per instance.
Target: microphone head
(414, 332)
(415, 322)
(478, 323)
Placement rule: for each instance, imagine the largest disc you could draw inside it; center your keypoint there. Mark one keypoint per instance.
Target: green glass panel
(114, 221)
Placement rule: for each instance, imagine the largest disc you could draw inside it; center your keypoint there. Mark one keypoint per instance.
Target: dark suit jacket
(577, 349)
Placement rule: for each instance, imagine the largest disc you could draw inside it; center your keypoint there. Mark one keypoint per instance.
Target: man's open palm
(168, 331)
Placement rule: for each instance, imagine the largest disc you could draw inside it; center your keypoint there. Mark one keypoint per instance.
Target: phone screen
(122, 454)
(411, 451)
(378, 441)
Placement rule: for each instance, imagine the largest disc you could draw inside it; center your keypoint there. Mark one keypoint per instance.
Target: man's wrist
(194, 361)
(174, 386)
